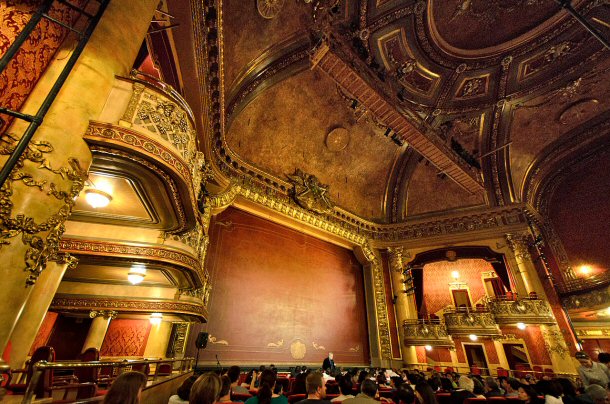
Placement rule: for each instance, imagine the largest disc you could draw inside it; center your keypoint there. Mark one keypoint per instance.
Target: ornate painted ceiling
(437, 105)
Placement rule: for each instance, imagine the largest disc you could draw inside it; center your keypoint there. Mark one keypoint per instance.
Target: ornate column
(156, 346)
(39, 195)
(555, 344)
(518, 244)
(36, 307)
(98, 328)
(405, 302)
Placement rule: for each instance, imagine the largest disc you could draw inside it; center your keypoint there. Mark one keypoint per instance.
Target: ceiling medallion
(269, 8)
(337, 139)
(579, 111)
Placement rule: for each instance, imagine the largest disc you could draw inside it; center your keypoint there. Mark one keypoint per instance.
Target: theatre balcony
(426, 332)
(467, 321)
(510, 309)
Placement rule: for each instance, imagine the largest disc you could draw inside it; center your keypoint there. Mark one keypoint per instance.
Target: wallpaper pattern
(126, 338)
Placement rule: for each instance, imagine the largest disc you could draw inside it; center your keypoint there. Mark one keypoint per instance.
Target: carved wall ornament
(425, 334)
(579, 111)
(355, 348)
(310, 193)
(519, 245)
(106, 314)
(216, 341)
(337, 139)
(318, 347)
(41, 239)
(179, 337)
(473, 87)
(554, 342)
(542, 61)
(298, 349)
(590, 299)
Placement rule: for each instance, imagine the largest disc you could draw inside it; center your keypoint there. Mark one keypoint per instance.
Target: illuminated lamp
(136, 274)
(521, 326)
(473, 337)
(585, 270)
(455, 275)
(97, 198)
(428, 347)
(156, 318)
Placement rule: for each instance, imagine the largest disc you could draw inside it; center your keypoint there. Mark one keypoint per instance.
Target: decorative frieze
(532, 311)
(471, 322)
(418, 333)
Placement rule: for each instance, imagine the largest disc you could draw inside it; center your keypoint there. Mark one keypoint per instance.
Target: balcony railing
(426, 332)
(521, 310)
(466, 321)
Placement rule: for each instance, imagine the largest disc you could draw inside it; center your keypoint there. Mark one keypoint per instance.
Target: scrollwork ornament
(41, 239)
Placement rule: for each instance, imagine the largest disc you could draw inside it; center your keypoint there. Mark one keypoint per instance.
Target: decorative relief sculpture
(269, 8)
(298, 349)
(42, 239)
(310, 193)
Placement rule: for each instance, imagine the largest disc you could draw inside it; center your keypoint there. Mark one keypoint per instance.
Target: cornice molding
(127, 305)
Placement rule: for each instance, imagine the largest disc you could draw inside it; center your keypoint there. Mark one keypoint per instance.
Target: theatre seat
(475, 400)
(240, 396)
(296, 397)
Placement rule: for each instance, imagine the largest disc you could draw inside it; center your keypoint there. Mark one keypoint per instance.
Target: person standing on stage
(329, 363)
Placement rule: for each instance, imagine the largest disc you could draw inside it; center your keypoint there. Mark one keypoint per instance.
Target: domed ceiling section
(305, 123)
(495, 25)
(247, 34)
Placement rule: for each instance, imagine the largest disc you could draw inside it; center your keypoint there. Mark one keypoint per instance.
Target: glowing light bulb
(473, 337)
(136, 274)
(428, 348)
(585, 269)
(97, 198)
(521, 326)
(455, 275)
(156, 318)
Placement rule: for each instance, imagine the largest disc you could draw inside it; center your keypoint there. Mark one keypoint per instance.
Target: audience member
(316, 389)
(184, 391)
(597, 393)
(425, 394)
(206, 389)
(265, 395)
(225, 390)
(569, 393)
(299, 386)
(405, 394)
(233, 373)
(511, 387)
(345, 388)
(528, 395)
(491, 388)
(551, 390)
(126, 389)
(465, 390)
(592, 372)
(368, 391)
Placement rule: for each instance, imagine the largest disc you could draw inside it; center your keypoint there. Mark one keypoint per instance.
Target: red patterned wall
(280, 296)
(594, 346)
(437, 276)
(579, 212)
(44, 332)
(490, 350)
(126, 338)
(439, 355)
(421, 354)
(22, 73)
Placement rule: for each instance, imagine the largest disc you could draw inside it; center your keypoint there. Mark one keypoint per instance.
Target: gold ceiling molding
(127, 305)
(134, 251)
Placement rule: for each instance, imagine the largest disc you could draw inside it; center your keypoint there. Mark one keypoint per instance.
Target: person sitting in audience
(405, 394)
(206, 389)
(368, 391)
(225, 390)
(464, 391)
(528, 395)
(491, 388)
(425, 394)
(479, 388)
(597, 393)
(569, 393)
(345, 388)
(551, 390)
(510, 386)
(249, 380)
(233, 373)
(265, 393)
(299, 386)
(126, 389)
(316, 389)
(592, 372)
(184, 391)
(296, 371)
(446, 385)
(381, 380)
(362, 376)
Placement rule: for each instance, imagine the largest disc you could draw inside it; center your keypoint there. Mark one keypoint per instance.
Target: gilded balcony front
(426, 332)
(467, 321)
(530, 311)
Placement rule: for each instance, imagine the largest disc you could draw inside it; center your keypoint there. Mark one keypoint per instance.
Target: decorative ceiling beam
(353, 76)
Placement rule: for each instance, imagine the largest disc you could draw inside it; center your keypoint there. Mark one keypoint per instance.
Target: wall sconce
(136, 274)
(473, 337)
(455, 275)
(521, 326)
(156, 318)
(97, 198)
(428, 348)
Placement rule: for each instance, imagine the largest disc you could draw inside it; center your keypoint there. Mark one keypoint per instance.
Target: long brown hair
(206, 389)
(265, 390)
(125, 388)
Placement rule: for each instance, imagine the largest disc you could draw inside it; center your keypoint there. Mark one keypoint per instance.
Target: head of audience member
(381, 379)
(490, 384)
(584, 359)
(395, 381)
(369, 388)
(405, 394)
(184, 390)
(315, 385)
(425, 394)
(362, 376)
(233, 373)
(435, 382)
(297, 370)
(528, 394)
(250, 376)
(346, 386)
(466, 383)
(567, 386)
(478, 389)
(446, 384)
(598, 394)
(604, 357)
(266, 386)
(549, 388)
(126, 389)
(225, 389)
(206, 389)
(414, 378)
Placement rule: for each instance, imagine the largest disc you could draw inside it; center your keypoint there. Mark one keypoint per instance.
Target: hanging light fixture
(156, 318)
(136, 274)
(97, 198)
